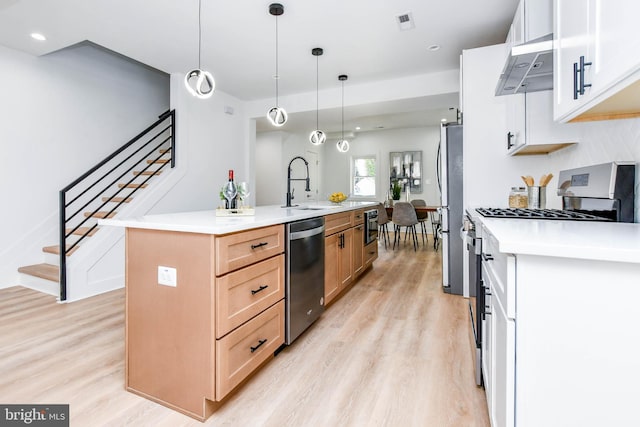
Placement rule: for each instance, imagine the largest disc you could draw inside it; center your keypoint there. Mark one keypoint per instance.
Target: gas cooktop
(538, 214)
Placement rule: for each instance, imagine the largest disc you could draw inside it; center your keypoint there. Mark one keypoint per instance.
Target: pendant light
(317, 137)
(343, 144)
(200, 83)
(276, 115)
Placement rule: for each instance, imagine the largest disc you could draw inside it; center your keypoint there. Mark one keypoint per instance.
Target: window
(363, 176)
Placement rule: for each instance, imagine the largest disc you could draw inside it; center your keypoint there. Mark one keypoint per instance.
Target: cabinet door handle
(576, 91)
(258, 245)
(487, 257)
(341, 241)
(582, 65)
(487, 293)
(260, 342)
(260, 289)
(509, 138)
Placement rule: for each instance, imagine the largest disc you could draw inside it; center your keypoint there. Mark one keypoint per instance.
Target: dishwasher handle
(297, 235)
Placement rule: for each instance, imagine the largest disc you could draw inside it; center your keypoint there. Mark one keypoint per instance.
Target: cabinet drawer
(243, 350)
(358, 217)
(337, 222)
(242, 294)
(241, 249)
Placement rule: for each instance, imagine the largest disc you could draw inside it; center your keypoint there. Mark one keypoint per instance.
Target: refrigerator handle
(438, 167)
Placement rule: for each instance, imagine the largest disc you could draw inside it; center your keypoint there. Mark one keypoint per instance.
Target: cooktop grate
(538, 214)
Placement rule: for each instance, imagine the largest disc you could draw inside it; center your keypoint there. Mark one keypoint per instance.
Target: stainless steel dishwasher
(304, 298)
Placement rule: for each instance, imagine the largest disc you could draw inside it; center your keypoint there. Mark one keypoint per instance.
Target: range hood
(529, 68)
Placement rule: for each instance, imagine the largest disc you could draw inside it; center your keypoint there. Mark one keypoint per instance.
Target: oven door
(370, 226)
(476, 300)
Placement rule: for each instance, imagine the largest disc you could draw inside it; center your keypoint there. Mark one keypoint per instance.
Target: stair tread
(159, 161)
(147, 173)
(100, 214)
(55, 249)
(43, 271)
(117, 199)
(132, 185)
(81, 231)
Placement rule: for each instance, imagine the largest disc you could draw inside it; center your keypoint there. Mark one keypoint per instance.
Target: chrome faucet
(289, 179)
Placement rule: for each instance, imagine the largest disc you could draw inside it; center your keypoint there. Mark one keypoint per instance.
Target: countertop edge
(206, 221)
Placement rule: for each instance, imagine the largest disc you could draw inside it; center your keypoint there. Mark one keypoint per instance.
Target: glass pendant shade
(343, 145)
(200, 83)
(277, 116)
(317, 137)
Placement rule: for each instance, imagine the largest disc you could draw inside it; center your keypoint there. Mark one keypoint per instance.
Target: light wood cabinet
(188, 346)
(345, 254)
(358, 250)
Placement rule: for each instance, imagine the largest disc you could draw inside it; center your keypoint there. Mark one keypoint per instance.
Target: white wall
(209, 143)
(490, 172)
(337, 166)
(61, 114)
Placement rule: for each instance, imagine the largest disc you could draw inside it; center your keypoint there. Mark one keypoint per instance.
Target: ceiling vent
(405, 21)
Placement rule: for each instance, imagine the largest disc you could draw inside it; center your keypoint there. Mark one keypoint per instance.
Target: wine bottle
(230, 191)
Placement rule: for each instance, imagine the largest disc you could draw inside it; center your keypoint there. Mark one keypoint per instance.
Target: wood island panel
(169, 341)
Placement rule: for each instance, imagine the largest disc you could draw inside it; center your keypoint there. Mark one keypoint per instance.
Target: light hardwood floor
(394, 351)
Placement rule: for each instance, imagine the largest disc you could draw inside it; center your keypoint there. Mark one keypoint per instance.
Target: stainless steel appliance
(476, 292)
(449, 174)
(370, 226)
(603, 192)
(304, 276)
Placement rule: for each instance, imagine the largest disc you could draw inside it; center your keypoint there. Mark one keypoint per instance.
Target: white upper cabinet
(596, 59)
(530, 125)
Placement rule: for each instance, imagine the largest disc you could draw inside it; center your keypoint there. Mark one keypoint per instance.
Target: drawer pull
(256, 246)
(487, 257)
(260, 289)
(260, 342)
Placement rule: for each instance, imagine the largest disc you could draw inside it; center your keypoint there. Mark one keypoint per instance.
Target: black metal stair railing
(152, 145)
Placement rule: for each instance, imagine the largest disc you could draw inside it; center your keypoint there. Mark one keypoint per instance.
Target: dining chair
(404, 215)
(436, 226)
(423, 217)
(383, 220)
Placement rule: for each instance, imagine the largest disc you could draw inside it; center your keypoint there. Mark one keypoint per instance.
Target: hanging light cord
(277, 75)
(199, 32)
(343, 110)
(317, 70)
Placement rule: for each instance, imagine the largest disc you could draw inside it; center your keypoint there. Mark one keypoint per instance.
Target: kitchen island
(205, 298)
(560, 340)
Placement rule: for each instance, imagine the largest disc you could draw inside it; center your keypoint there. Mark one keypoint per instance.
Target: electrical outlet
(167, 276)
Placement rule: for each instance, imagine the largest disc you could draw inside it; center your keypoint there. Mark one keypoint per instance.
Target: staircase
(101, 191)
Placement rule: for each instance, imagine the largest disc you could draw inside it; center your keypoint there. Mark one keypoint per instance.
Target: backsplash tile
(601, 142)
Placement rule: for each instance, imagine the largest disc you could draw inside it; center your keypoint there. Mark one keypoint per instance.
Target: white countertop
(605, 241)
(208, 223)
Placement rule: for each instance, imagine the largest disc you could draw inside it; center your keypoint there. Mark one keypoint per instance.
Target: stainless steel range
(538, 214)
(604, 192)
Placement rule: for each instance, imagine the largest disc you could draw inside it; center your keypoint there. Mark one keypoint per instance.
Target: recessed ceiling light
(434, 47)
(38, 36)
(443, 120)
(357, 127)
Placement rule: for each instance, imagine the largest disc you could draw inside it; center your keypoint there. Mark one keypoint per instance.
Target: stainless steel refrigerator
(449, 174)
